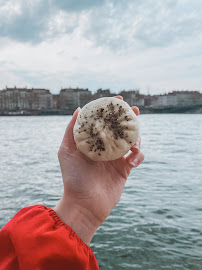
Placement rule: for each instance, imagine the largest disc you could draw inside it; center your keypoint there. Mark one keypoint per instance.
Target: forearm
(78, 217)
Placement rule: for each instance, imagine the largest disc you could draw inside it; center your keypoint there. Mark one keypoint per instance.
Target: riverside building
(25, 99)
(72, 98)
(177, 98)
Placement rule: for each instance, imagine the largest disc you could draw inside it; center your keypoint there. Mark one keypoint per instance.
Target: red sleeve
(36, 239)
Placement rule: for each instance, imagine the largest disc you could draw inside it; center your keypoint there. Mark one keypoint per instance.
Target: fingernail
(134, 162)
(78, 109)
(137, 145)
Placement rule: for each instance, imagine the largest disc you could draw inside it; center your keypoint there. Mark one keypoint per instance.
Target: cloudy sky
(153, 45)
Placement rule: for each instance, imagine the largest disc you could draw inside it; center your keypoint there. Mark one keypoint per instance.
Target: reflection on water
(156, 224)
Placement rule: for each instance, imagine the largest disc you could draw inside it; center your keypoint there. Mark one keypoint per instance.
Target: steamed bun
(106, 129)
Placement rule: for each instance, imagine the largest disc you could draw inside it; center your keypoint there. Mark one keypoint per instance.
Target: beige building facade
(25, 99)
(72, 98)
(177, 98)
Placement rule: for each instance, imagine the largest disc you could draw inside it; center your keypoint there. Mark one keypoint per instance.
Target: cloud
(78, 5)
(118, 25)
(24, 21)
(112, 44)
(35, 21)
(143, 24)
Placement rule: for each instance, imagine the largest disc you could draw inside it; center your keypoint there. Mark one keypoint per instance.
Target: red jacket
(36, 239)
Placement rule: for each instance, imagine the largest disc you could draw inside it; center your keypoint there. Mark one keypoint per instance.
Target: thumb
(68, 140)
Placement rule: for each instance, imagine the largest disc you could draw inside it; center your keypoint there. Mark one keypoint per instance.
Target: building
(103, 93)
(177, 98)
(148, 100)
(41, 99)
(133, 98)
(186, 98)
(37, 99)
(14, 99)
(56, 101)
(72, 98)
(164, 101)
(140, 101)
(25, 99)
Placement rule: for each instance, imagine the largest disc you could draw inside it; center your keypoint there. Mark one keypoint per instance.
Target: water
(158, 222)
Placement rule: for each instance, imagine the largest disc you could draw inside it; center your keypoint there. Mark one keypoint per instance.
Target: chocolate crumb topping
(110, 119)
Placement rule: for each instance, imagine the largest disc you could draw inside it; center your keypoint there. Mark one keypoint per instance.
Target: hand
(91, 189)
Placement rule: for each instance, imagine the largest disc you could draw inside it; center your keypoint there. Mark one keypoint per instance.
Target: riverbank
(193, 109)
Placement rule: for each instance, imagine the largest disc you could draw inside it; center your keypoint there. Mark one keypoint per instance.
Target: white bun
(106, 129)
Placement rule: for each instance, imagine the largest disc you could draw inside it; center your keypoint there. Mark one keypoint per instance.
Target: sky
(151, 45)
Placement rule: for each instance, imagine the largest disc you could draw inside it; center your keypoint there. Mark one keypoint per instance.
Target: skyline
(13, 101)
(153, 46)
(138, 91)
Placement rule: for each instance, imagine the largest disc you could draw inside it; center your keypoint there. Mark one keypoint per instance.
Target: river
(158, 222)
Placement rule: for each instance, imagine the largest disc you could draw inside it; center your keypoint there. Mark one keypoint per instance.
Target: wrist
(78, 218)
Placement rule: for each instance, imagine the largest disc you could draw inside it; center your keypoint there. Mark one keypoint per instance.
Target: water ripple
(157, 223)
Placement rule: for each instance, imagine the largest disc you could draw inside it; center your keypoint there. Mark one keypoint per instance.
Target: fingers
(119, 97)
(134, 159)
(136, 110)
(136, 146)
(68, 139)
